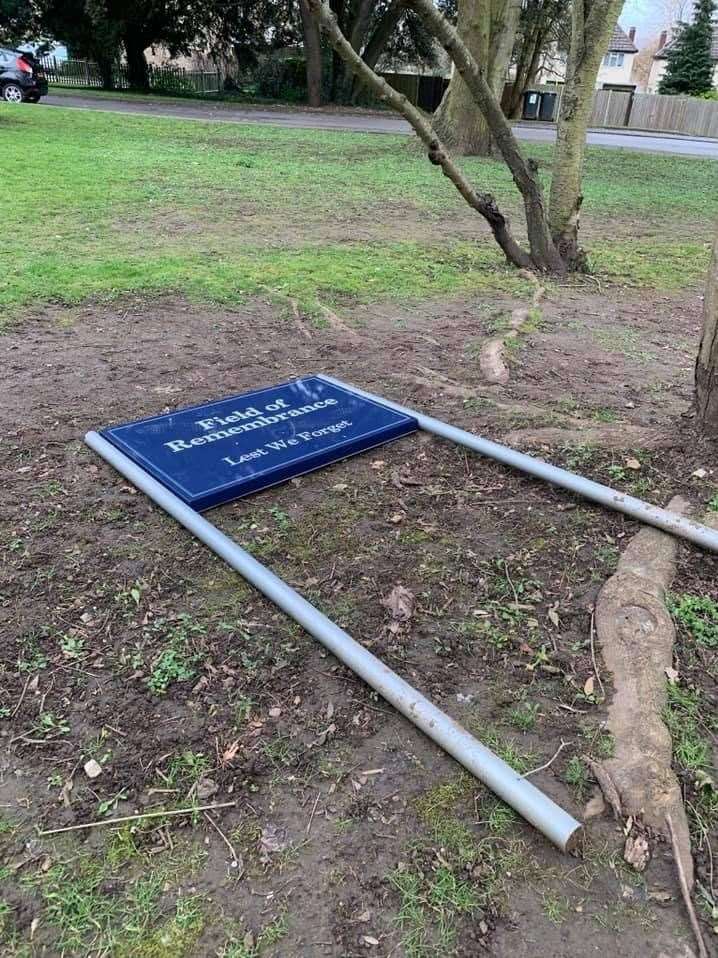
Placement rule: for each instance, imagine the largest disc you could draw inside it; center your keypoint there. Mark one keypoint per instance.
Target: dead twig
(22, 696)
(593, 653)
(236, 862)
(511, 583)
(311, 816)
(556, 754)
(137, 817)
(685, 891)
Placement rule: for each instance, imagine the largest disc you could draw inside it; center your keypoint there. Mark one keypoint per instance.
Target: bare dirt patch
(126, 642)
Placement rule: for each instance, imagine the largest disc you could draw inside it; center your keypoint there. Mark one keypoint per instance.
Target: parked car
(22, 78)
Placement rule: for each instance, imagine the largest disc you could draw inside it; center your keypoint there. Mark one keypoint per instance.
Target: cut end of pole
(574, 845)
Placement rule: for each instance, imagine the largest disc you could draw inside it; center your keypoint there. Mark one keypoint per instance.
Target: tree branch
(524, 175)
(483, 203)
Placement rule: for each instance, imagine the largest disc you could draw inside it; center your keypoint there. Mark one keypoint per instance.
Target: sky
(648, 17)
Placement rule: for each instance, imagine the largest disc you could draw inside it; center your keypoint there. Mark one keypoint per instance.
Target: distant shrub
(281, 77)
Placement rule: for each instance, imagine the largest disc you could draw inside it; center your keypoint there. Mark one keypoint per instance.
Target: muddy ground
(126, 642)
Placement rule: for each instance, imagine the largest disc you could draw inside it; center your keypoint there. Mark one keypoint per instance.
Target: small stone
(206, 788)
(275, 712)
(92, 768)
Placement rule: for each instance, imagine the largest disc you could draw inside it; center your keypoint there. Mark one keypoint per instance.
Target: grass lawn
(139, 674)
(221, 212)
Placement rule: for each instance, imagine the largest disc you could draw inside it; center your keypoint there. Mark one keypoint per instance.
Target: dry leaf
(553, 614)
(699, 474)
(637, 852)
(378, 464)
(230, 752)
(672, 676)
(369, 940)
(327, 733)
(206, 788)
(275, 712)
(400, 603)
(588, 686)
(632, 464)
(271, 841)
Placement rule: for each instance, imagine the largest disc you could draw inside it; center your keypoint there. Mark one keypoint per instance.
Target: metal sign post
(556, 824)
(151, 459)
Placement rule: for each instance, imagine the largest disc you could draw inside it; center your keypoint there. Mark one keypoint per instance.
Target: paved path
(367, 122)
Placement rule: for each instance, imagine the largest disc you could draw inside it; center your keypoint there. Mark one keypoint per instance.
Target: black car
(22, 78)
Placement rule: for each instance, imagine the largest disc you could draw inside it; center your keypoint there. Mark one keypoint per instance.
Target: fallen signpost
(160, 458)
(202, 456)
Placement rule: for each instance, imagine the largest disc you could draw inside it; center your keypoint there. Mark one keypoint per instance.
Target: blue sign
(222, 450)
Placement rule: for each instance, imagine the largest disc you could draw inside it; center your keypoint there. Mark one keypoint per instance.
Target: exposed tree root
(339, 325)
(609, 437)
(301, 326)
(492, 358)
(636, 636)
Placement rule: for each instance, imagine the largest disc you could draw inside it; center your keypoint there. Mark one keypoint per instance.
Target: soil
(96, 582)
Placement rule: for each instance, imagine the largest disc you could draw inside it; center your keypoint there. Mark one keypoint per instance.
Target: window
(613, 59)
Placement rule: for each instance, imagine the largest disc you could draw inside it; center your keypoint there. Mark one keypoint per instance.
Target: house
(660, 60)
(615, 70)
(617, 66)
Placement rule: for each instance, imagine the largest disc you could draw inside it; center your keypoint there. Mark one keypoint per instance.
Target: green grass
(697, 615)
(429, 909)
(692, 725)
(221, 212)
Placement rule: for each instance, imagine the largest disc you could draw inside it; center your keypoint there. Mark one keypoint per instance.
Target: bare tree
(707, 362)
(538, 29)
(312, 54)
(592, 23)
(552, 248)
(488, 28)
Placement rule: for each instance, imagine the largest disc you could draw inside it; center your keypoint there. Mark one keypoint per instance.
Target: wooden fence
(423, 91)
(168, 79)
(652, 111)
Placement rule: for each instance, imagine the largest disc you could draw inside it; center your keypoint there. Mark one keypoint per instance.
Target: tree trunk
(382, 32)
(137, 73)
(483, 203)
(312, 55)
(107, 71)
(354, 17)
(707, 362)
(377, 42)
(488, 28)
(543, 254)
(592, 23)
(526, 70)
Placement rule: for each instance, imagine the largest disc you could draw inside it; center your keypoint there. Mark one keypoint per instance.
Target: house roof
(663, 52)
(621, 42)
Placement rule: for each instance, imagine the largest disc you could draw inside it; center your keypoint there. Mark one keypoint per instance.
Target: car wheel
(12, 93)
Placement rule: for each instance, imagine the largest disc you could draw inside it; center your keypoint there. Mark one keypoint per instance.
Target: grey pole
(556, 824)
(604, 495)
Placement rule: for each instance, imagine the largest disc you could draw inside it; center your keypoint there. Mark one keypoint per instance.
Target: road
(366, 122)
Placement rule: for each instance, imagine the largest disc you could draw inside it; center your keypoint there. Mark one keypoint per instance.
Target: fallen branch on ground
(685, 891)
(140, 815)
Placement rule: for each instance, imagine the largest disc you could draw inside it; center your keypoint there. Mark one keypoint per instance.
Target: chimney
(662, 40)
(632, 34)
